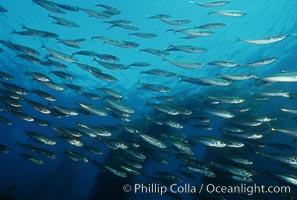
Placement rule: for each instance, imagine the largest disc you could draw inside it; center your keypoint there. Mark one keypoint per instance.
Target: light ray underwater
(149, 99)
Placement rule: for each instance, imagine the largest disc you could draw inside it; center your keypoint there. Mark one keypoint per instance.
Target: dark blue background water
(70, 180)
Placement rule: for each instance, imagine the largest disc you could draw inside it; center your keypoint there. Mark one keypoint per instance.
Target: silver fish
(120, 106)
(144, 35)
(92, 109)
(38, 76)
(64, 22)
(4, 149)
(32, 159)
(210, 141)
(60, 55)
(291, 179)
(71, 43)
(267, 40)
(152, 141)
(211, 4)
(65, 110)
(262, 62)
(239, 77)
(206, 81)
(281, 77)
(175, 21)
(67, 7)
(111, 92)
(223, 63)
(5, 76)
(39, 107)
(229, 13)
(211, 26)
(96, 14)
(49, 5)
(119, 43)
(185, 64)
(40, 138)
(219, 113)
(75, 156)
(287, 110)
(155, 87)
(44, 95)
(53, 85)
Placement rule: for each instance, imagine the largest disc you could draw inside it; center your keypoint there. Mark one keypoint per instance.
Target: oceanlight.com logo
(155, 188)
(247, 189)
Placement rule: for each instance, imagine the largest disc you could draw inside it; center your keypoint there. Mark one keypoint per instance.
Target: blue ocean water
(62, 178)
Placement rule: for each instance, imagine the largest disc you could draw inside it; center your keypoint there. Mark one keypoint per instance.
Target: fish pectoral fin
(239, 40)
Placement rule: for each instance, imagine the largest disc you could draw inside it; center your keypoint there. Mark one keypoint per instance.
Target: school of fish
(227, 115)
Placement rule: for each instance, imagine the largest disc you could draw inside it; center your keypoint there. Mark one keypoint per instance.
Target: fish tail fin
(182, 77)
(47, 56)
(164, 59)
(260, 82)
(219, 75)
(167, 30)
(170, 46)
(110, 27)
(138, 82)
(147, 103)
(26, 72)
(210, 13)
